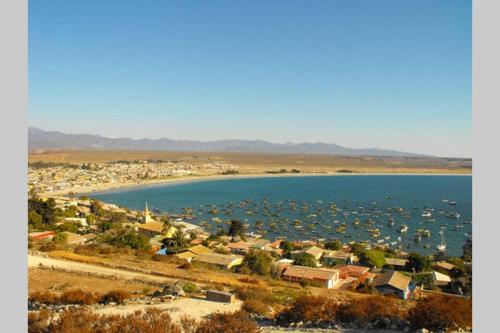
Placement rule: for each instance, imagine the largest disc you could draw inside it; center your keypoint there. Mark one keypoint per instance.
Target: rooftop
(395, 261)
(217, 259)
(310, 273)
(393, 279)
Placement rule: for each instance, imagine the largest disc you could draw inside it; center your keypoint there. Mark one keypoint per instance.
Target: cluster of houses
(63, 179)
(335, 269)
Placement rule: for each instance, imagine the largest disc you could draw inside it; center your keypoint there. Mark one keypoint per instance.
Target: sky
(389, 74)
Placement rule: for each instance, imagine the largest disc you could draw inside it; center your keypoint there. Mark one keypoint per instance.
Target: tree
(372, 258)
(418, 262)
(60, 238)
(34, 220)
(68, 226)
(177, 241)
(118, 217)
(236, 228)
(180, 239)
(45, 209)
(259, 262)
(127, 237)
(333, 245)
(305, 259)
(357, 248)
(287, 247)
(96, 208)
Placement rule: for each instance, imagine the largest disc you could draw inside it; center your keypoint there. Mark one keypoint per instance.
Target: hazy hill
(40, 139)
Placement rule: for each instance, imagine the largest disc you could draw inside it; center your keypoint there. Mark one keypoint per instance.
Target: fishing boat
(441, 247)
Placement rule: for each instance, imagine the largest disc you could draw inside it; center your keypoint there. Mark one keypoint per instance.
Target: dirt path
(193, 307)
(35, 261)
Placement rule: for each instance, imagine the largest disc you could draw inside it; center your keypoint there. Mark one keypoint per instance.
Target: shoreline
(101, 189)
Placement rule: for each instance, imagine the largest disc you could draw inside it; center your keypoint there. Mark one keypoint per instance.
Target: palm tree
(179, 239)
(166, 224)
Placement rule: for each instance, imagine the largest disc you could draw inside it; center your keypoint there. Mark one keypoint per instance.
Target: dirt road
(193, 307)
(35, 261)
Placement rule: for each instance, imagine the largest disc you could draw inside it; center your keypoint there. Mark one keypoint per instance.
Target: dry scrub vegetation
(149, 321)
(80, 297)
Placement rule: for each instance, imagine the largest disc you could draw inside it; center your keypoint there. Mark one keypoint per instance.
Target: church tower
(147, 216)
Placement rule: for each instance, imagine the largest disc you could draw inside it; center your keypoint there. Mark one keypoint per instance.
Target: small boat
(426, 214)
(403, 228)
(453, 215)
(441, 247)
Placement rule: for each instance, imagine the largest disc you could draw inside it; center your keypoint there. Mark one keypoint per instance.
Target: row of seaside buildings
(64, 178)
(338, 269)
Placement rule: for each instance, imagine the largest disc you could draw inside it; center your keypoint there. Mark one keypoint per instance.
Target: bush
(313, 309)
(249, 280)
(116, 296)
(96, 248)
(48, 246)
(78, 297)
(256, 306)
(189, 287)
(369, 309)
(237, 322)
(45, 297)
(441, 313)
(75, 296)
(38, 321)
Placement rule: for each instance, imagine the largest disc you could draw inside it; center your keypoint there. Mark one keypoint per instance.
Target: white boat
(426, 214)
(403, 228)
(441, 247)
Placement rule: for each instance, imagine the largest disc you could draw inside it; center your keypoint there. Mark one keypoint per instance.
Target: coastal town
(70, 229)
(64, 178)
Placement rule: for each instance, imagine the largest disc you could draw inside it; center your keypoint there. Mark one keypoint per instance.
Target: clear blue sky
(389, 73)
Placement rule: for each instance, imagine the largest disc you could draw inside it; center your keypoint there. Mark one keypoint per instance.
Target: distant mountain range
(49, 140)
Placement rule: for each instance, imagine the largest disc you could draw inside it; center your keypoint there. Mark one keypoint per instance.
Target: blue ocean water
(312, 207)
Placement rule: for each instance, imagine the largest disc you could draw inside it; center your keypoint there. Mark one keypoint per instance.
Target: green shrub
(189, 287)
